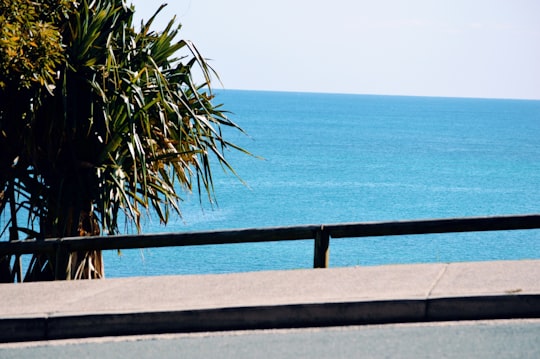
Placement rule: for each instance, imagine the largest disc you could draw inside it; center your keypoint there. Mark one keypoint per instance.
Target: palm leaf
(127, 130)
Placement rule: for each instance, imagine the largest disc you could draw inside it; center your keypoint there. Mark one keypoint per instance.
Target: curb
(269, 317)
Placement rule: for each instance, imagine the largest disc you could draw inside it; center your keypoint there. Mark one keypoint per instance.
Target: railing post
(321, 250)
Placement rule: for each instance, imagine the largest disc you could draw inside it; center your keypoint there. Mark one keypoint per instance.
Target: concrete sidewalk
(276, 299)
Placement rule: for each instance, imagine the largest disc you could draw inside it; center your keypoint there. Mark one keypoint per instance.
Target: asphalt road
(478, 339)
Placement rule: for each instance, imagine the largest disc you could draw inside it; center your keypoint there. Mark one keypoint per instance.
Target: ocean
(337, 158)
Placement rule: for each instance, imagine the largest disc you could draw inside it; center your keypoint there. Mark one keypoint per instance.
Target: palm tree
(112, 124)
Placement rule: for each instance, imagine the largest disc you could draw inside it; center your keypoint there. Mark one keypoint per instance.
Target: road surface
(472, 339)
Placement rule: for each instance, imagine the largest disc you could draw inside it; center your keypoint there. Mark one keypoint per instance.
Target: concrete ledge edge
(269, 317)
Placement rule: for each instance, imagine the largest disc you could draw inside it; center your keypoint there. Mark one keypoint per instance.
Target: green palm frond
(126, 127)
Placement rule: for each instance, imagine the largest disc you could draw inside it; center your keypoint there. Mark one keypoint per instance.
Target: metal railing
(321, 234)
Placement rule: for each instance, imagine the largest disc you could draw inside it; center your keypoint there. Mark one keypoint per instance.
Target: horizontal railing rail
(321, 234)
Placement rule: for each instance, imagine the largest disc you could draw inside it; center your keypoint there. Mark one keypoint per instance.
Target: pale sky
(455, 48)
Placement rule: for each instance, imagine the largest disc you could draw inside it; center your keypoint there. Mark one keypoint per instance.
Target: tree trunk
(86, 265)
(75, 265)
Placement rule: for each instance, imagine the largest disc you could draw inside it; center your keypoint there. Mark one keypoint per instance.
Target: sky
(459, 48)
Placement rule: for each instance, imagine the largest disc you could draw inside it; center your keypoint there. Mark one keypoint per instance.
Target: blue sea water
(335, 158)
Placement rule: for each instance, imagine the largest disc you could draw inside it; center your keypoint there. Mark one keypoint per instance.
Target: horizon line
(379, 94)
